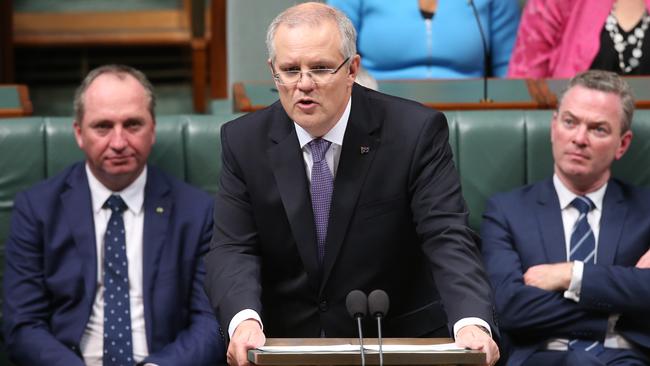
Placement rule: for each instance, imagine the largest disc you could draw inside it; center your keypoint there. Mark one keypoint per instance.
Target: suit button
(323, 306)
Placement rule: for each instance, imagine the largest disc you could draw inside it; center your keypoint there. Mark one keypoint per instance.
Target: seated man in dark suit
(567, 256)
(104, 259)
(337, 187)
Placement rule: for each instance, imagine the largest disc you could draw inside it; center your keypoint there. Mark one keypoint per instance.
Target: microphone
(378, 306)
(357, 304)
(487, 71)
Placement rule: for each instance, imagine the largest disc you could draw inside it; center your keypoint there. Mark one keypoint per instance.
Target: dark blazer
(524, 227)
(398, 222)
(51, 272)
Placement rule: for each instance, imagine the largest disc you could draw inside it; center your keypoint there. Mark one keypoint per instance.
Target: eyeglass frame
(276, 75)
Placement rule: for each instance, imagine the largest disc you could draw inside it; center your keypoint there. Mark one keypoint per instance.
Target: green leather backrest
(21, 160)
(203, 144)
(634, 167)
(539, 157)
(169, 150)
(493, 150)
(489, 156)
(60, 145)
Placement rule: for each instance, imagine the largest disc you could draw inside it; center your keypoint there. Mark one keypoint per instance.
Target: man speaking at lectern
(334, 188)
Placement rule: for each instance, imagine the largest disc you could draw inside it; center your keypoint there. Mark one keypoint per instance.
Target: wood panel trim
(218, 67)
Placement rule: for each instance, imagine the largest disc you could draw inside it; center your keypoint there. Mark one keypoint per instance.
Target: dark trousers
(609, 357)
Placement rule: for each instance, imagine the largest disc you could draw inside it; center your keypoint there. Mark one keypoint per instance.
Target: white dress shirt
(332, 156)
(92, 340)
(569, 216)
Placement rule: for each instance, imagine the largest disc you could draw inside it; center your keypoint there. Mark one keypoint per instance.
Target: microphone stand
(486, 54)
(363, 354)
(379, 342)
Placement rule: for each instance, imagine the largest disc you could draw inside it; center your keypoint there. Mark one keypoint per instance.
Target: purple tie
(322, 185)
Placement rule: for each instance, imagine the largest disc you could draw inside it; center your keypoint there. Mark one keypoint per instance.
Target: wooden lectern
(465, 357)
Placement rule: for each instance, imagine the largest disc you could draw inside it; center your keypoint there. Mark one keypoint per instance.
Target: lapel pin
(365, 150)
(160, 210)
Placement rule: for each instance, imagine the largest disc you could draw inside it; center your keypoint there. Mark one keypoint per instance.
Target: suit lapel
(549, 215)
(359, 149)
(157, 212)
(611, 223)
(77, 209)
(288, 169)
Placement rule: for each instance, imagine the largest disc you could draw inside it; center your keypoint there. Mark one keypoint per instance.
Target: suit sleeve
(233, 263)
(202, 342)
(527, 310)
(26, 303)
(615, 289)
(440, 215)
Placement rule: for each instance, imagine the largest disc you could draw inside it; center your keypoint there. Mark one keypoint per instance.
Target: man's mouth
(306, 102)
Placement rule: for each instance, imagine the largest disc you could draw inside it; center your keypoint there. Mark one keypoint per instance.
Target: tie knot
(318, 148)
(115, 203)
(583, 204)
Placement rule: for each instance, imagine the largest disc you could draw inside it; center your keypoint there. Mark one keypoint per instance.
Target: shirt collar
(133, 195)
(335, 135)
(566, 196)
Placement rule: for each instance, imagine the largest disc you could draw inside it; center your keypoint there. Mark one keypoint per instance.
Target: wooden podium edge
(464, 357)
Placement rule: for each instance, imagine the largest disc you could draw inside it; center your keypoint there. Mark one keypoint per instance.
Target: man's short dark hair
(121, 71)
(608, 82)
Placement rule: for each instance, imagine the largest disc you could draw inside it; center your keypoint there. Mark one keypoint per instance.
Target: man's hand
(473, 337)
(247, 335)
(549, 277)
(644, 262)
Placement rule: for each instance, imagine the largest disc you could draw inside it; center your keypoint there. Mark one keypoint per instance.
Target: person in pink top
(559, 38)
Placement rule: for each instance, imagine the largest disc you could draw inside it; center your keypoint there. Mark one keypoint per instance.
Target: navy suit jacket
(524, 228)
(398, 222)
(51, 272)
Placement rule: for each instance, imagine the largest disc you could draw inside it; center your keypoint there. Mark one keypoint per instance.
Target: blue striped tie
(583, 248)
(118, 348)
(583, 242)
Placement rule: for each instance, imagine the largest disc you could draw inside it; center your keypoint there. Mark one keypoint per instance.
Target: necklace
(635, 38)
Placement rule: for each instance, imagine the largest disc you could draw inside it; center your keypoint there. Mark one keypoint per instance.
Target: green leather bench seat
(494, 151)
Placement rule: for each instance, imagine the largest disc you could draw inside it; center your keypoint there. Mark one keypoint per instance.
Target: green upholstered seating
(494, 151)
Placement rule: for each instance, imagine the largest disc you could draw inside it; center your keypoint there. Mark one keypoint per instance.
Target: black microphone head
(357, 303)
(378, 303)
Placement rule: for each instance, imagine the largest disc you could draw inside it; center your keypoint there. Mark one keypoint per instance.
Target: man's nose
(581, 135)
(305, 82)
(118, 140)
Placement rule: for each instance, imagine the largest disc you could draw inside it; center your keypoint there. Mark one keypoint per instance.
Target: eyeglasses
(317, 76)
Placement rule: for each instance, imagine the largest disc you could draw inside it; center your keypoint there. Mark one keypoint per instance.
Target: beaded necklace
(635, 38)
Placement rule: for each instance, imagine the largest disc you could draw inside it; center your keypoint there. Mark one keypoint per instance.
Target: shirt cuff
(573, 293)
(240, 317)
(471, 321)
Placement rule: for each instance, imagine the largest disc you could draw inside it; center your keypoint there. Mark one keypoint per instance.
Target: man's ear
(77, 133)
(270, 63)
(626, 140)
(355, 64)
